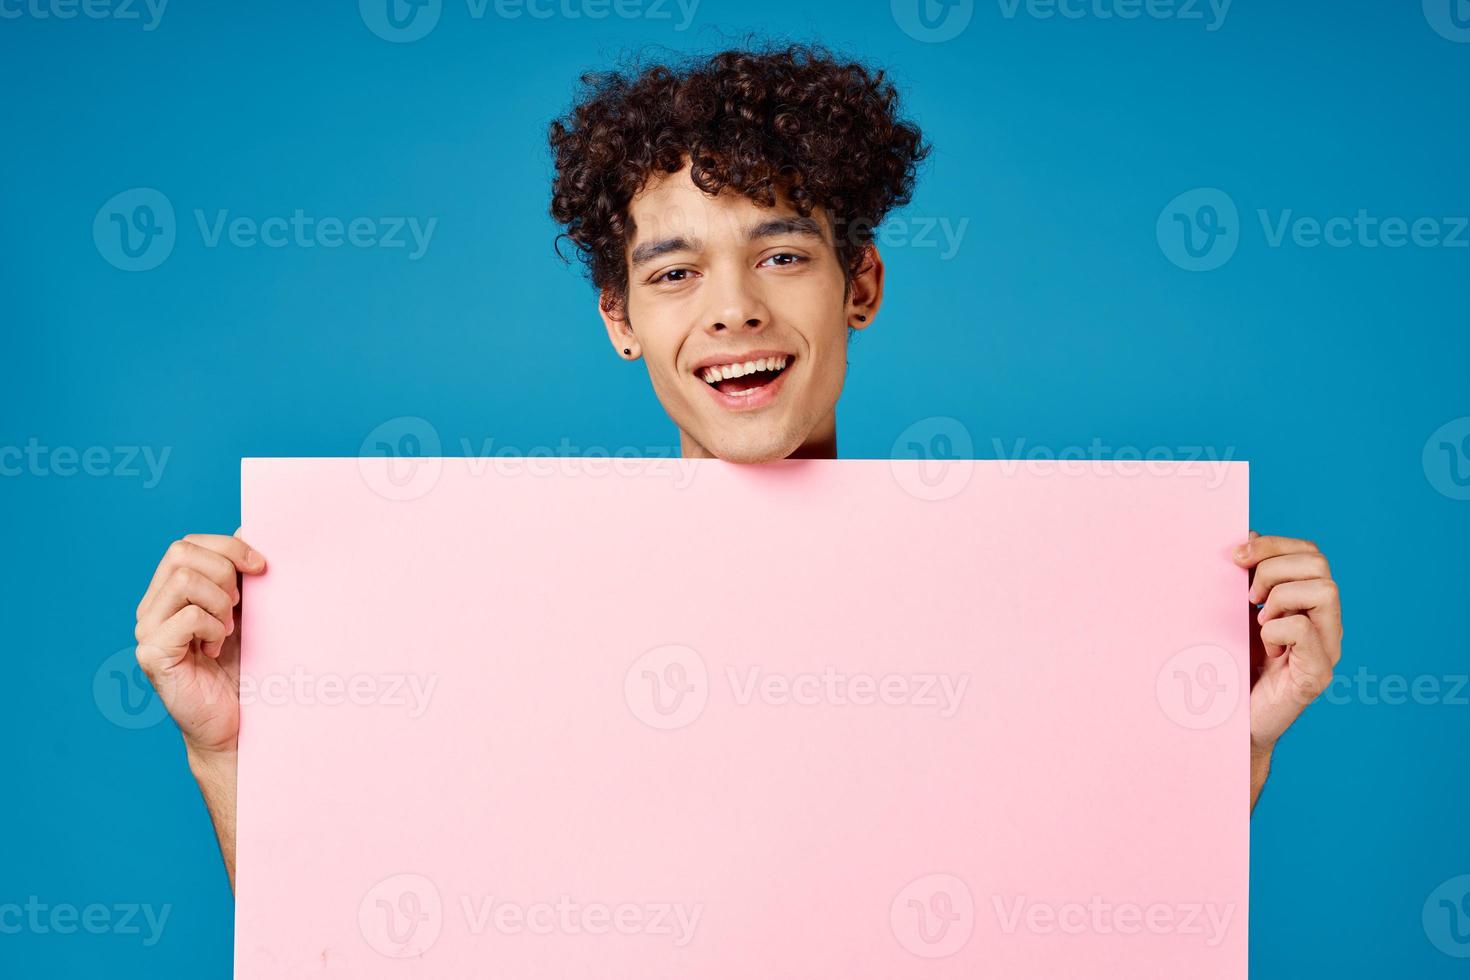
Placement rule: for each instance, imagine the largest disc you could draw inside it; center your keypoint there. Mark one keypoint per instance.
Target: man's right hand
(189, 640)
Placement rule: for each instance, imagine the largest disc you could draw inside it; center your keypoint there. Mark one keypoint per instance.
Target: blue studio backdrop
(1172, 227)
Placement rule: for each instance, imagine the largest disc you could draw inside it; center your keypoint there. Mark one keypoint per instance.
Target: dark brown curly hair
(795, 119)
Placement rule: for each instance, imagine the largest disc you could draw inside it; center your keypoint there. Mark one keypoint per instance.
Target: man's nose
(738, 306)
(750, 322)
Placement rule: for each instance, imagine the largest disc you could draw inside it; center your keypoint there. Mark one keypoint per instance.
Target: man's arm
(216, 778)
(1260, 769)
(189, 646)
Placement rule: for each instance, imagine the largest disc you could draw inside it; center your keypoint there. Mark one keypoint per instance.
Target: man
(725, 211)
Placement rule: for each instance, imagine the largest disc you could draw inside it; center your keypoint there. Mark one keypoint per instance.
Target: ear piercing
(627, 352)
(862, 318)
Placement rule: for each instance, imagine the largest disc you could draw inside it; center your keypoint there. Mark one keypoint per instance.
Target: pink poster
(859, 719)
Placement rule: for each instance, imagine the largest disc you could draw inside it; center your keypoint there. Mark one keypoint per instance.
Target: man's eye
(784, 259)
(673, 275)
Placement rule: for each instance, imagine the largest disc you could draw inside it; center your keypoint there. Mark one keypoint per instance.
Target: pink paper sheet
(675, 719)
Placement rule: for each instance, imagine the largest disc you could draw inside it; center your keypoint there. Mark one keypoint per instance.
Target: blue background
(1060, 320)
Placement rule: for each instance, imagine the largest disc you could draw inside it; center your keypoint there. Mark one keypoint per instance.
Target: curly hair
(793, 120)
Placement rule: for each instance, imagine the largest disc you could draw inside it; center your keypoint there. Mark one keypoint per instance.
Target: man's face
(741, 315)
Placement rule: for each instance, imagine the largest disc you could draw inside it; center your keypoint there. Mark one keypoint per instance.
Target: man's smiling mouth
(742, 379)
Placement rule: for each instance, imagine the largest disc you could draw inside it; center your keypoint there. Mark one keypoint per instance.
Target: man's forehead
(673, 205)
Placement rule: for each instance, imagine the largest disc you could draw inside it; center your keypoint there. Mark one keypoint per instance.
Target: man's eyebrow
(795, 225)
(649, 251)
(773, 228)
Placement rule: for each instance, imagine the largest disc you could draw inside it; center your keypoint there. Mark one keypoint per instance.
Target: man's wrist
(1261, 749)
(217, 766)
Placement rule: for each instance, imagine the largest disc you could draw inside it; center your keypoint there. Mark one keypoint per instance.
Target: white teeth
(722, 372)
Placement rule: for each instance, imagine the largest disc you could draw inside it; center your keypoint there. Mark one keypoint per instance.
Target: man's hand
(189, 646)
(1296, 638)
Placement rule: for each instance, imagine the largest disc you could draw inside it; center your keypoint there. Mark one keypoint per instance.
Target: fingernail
(1242, 552)
(253, 559)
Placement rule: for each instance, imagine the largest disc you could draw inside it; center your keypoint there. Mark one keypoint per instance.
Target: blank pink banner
(551, 718)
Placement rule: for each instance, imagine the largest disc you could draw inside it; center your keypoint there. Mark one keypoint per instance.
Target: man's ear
(614, 314)
(865, 292)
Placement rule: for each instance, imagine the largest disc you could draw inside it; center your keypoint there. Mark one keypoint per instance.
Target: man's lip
(755, 355)
(757, 399)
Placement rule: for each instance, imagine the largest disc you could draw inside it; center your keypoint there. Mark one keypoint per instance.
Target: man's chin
(752, 449)
(751, 458)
